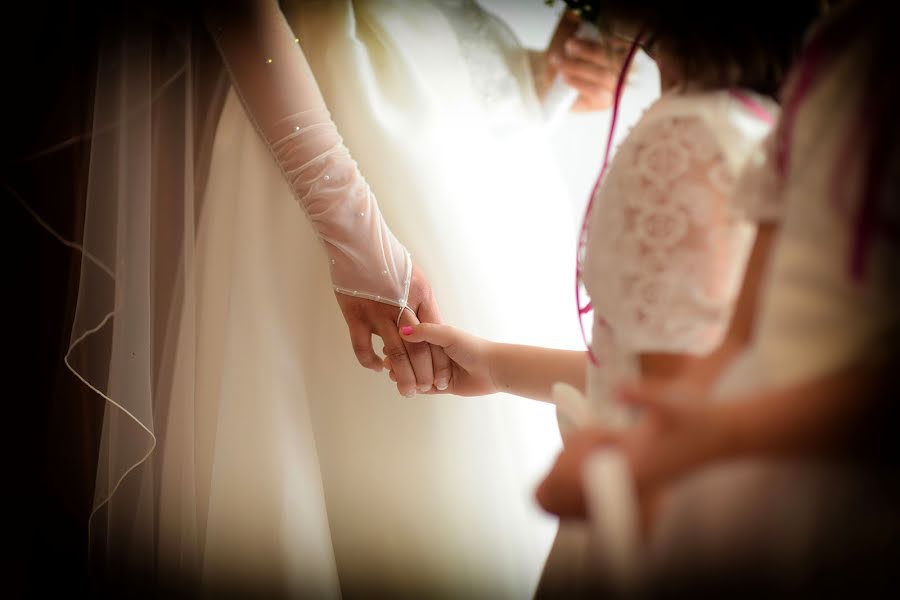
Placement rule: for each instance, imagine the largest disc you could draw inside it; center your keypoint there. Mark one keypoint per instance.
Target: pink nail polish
(406, 330)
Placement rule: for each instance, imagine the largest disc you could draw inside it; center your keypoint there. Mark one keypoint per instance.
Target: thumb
(438, 335)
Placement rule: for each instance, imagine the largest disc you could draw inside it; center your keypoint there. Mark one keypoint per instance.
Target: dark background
(51, 421)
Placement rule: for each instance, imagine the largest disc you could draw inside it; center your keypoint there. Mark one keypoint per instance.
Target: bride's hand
(470, 358)
(417, 366)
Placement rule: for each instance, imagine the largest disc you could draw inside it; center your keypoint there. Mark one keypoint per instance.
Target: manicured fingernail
(424, 388)
(410, 394)
(406, 330)
(442, 384)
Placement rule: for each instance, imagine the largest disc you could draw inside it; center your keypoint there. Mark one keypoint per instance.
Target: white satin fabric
(311, 474)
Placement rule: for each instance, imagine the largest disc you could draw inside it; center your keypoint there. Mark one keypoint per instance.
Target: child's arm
(480, 367)
(817, 417)
(530, 371)
(677, 434)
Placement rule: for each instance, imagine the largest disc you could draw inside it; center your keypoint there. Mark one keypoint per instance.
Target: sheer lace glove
(280, 94)
(367, 263)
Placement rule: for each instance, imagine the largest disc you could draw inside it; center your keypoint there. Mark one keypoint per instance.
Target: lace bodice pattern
(668, 241)
(496, 61)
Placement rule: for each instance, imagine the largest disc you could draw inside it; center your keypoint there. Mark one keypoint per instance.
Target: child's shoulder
(714, 107)
(733, 120)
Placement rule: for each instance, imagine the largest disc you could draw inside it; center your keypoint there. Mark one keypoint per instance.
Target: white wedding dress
(319, 478)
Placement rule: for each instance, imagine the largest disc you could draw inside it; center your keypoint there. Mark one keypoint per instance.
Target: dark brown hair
(714, 43)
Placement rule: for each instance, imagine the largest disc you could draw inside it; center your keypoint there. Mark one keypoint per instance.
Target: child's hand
(675, 434)
(470, 373)
(561, 492)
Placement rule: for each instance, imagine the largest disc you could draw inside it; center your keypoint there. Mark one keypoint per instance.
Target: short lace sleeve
(757, 193)
(667, 248)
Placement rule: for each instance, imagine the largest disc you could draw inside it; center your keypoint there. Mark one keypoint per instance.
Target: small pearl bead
(384, 272)
(362, 214)
(327, 178)
(296, 128)
(268, 61)
(296, 40)
(378, 298)
(355, 292)
(333, 261)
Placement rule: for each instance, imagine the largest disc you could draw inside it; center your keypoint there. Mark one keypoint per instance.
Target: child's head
(713, 44)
